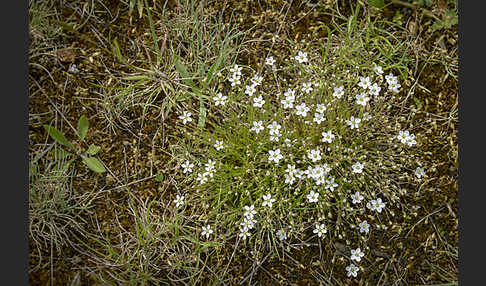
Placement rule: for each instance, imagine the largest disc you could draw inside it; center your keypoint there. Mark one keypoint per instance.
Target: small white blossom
(219, 99)
(210, 166)
(187, 167)
(258, 101)
(206, 230)
(236, 70)
(394, 86)
(274, 128)
(357, 198)
(419, 172)
(352, 270)
(364, 227)
(301, 57)
(248, 222)
(244, 233)
(314, 155)
(376, 205)
(327, 136)
(307, 87)
(289, 179)
(256, 80)
(235, 79)
(353, 122)
(257, 126)
(288, 102)
(356, 254)
(250, 90)
(179, 201)
(377, 69)
(282, 235)
(313, 197)
(338, 92)
(202, 177)
(302, 110)
(186, 117)
(318, 117)
(320, 229)
(390, 78)
(358, 168)
(330, 184)
(218, 145)
(364, 82)
(374, 89)
(362, 99)
(268, 200)
(290, 93)
(249, 211)
(320, 108)
(274, 155)
(270, 61)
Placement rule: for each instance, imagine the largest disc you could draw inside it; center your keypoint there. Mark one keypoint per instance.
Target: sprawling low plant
(312, 147)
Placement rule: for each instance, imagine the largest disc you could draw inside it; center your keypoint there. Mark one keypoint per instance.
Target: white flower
(307, 87)
(319, 117)
(236, 70)
(362, 99)
(352, 270)
(234, 79)
(256, 80)
(282, 235)
(327, 136)
(364, 227)
(403, 135)
(330, 184)
(353, 122)
(218, 145)
(376, 205)
(185, 117)
(290, 93)
(358, 168)
(248, 222)
(374, 89)
(249, 211)
(320, 229)
(356, 254)
(301, 57)
(419, 172)
(250, 90)
(390, 78)
(289, 179)
(202, 177)
(290, 169)
(258, 101)
(357, 198)
(257, 126)
(274, 128)
(268, 200)
(410, 141)
(314, 155)
(287, 142)
(366, 116)
(394, 86)
(364, 82)
(179, 201)
(338, 92)
(320, 108)
(274, 156)
(313, 197)
(219, 99)
(210, 166)
(288, 102)
(302, 110)
(206, 230)
(377, 69)
(187, 167)
(275, 137)
(270, 61)
(244, 233)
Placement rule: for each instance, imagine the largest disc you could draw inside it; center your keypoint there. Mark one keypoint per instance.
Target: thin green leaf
(94, 164)
(202, 115)
(83, 125)
(183, 72)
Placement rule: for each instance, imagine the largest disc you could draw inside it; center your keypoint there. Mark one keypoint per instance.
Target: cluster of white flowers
(209, 172)
(406, 138)
(235, 77)
(248, 222)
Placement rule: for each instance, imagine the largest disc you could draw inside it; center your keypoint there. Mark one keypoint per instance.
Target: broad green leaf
(159, 177)
(93, 149)
(377, 3)
(58, 136)
(94, 164)
(83, 125)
